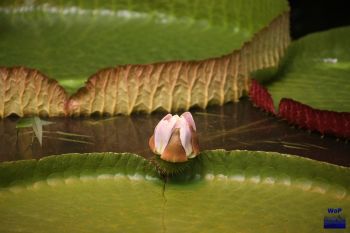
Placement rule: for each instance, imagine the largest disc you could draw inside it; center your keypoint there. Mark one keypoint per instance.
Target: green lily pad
(315, 71)
(225, 191)
(71, 40)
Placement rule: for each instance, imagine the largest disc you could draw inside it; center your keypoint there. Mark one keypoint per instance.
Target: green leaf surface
(71, 40)
(24, 123)
(316, 71)
(224, 191)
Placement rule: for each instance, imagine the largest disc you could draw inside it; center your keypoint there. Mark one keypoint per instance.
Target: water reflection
(233, 126)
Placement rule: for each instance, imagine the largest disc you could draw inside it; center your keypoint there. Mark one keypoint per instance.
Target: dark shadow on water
(233, 126)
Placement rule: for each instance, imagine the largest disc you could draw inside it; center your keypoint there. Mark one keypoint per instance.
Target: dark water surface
(233, 126)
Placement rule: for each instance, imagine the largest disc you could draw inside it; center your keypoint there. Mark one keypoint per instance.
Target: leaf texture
(248, 164)
(296, 113)
(261, 97)
(170, 86)
(323, 121)
(27, 92)
(179, 85)
(28, 171)
(315, 71)
(225, 190)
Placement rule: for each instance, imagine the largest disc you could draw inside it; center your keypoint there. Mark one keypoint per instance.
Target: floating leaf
(71, 40)
(261, 97)
(302, 115)
(325, 122)
(27, 92)
(122, 192)
(174, 86)
(312, 84)
(316, 71)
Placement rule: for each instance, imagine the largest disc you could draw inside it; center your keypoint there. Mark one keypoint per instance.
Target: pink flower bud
(175, 138)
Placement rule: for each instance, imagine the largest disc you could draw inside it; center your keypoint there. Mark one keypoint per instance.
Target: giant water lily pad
(71, 40)
(203, 51)
(226, 191)
(315, 71)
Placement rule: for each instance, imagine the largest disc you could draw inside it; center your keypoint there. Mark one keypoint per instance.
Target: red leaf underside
(302, 115)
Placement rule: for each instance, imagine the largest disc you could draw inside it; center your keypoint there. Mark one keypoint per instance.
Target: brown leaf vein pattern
(171, 86)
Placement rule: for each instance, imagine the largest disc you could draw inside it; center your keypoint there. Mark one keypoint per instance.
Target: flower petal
(163, 131)
(152, 144)
(188, 117)
(185, 135)
(174, 152)
(195, 144)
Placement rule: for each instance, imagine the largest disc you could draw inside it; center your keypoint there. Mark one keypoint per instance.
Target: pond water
(232, 126)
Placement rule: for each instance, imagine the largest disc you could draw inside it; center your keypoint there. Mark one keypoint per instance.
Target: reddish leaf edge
(304, 116)
(261, 97)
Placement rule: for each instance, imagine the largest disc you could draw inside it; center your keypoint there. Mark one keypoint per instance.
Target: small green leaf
(24, 123)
